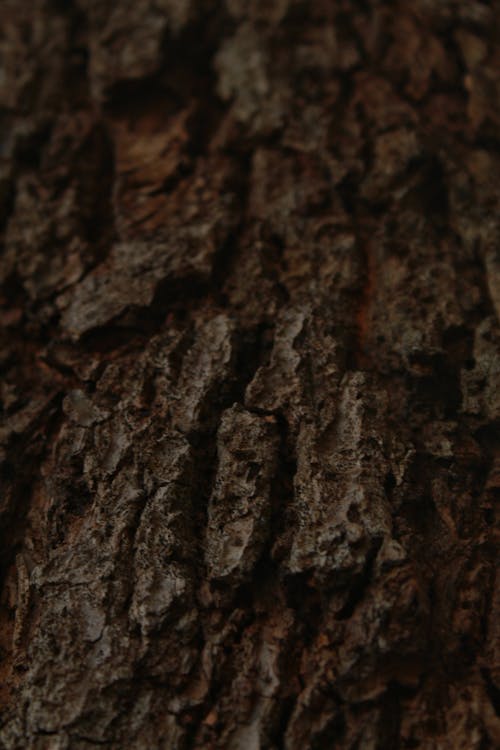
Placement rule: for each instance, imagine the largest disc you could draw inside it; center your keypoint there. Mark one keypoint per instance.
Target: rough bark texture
(250, 390)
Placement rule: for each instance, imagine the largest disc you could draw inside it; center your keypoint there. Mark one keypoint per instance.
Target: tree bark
(250, 374)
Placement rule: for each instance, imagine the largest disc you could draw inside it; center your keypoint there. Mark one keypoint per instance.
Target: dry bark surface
(250, 303)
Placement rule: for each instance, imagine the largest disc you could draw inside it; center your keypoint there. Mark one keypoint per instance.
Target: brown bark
(250, 374)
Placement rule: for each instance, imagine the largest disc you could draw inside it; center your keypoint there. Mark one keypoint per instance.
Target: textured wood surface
(250, 298)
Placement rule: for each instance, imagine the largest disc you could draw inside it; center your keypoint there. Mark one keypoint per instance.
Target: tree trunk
(250, 374)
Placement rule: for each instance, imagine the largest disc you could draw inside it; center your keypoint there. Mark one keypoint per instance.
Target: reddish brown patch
(7, 604)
